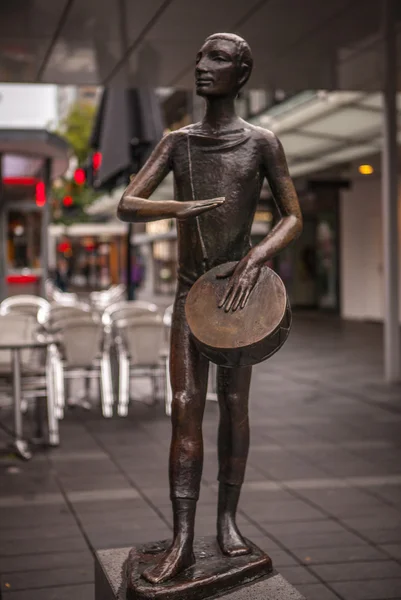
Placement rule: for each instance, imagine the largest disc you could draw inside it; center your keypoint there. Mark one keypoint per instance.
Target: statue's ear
(245, 72)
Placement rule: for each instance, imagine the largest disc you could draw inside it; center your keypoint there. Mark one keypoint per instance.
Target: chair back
(53, 294)
(17, 328)
(25, 304)
(167, 319)
(81, 339)
(102, 299)
(142, 337)
(127, 309)
(61, 313)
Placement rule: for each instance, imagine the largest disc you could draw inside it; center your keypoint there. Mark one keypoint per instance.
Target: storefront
(310, 266)
(29, 161)
(92, 254)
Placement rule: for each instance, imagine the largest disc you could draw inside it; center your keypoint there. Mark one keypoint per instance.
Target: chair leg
(52, 421)
(106, 385)
(211, 387)
(168, 392)
(39, 417)
(123, 387)
(59, 384)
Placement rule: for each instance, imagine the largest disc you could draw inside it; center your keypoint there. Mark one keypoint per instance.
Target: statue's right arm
(134, 205)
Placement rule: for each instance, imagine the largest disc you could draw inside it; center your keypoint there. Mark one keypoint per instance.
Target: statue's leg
(188, 370)
(233, 446)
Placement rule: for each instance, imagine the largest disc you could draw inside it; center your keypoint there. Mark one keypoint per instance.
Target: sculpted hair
(244, 54)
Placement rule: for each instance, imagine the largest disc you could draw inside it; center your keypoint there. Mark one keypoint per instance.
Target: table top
(28, 345)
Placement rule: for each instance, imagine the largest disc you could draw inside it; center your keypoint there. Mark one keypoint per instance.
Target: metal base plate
(212, 575)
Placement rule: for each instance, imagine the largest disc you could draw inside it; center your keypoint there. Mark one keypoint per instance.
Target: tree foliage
(76, 128)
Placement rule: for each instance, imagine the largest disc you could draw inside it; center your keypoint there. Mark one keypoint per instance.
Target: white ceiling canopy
(322, 129)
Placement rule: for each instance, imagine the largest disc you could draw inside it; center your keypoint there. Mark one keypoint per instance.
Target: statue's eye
(220, 58)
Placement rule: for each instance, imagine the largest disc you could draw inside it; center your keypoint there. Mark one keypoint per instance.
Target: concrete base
(111, 581)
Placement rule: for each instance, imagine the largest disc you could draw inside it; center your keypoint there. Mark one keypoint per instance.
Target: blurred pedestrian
(62, 274)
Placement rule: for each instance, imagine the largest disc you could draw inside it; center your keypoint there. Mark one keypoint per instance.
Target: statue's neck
(220, 114)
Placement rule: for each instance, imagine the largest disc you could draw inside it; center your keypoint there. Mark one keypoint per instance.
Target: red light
(68, 201)
(96, 160)
(40, 194)
(79, 176)
(20, 181)
(64, 247)
(22, 278)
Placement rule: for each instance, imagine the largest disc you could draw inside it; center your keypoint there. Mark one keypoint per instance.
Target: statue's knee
(181, 401)
(234, 400)
(237, 404)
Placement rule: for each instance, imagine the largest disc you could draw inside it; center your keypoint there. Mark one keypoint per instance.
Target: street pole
(44, 240)
(3, 237)
(392, 367)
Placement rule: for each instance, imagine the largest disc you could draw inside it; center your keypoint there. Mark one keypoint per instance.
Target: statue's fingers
(238, 298)
(231, 298)
(245, 298)
(226, 294)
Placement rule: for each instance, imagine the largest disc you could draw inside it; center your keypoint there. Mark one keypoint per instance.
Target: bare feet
(176, 559)
(229, 538)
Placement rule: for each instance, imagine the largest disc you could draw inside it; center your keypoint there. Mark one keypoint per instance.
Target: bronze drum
(244, 337)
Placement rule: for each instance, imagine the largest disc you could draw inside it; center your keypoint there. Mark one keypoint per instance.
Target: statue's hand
(188, 210)
(243, 277)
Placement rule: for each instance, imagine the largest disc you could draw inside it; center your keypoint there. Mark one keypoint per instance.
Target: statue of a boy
(219, 165)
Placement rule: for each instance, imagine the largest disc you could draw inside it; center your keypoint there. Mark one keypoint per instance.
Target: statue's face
(217, 72)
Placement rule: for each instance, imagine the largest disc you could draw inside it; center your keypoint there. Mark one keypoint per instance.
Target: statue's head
(223, 65)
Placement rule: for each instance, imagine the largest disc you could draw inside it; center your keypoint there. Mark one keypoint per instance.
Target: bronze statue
(219, 165)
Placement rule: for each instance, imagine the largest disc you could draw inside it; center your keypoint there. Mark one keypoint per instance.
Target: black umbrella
(127, 127)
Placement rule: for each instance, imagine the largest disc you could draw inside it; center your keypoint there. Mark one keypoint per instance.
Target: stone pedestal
(117, 578)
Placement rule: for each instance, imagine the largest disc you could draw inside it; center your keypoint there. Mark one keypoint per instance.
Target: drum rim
(255, 342)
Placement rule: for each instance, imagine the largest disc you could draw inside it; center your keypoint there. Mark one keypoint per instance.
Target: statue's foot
(230, 540)
(176, 559)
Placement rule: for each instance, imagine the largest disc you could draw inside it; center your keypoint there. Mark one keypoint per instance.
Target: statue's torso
(209, 167)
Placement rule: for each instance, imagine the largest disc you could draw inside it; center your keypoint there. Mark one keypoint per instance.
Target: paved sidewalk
(323, 489)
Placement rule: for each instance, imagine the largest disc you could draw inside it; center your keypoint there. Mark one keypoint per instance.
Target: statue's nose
(200, 68)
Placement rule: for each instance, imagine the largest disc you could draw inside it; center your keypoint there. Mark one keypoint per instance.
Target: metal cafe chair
(24, 304)
(119, 310)
(81, 339)
(112, 313)
(53, 294)
(58, 312)
(100, 300)
(36, 371)
(52, 321)
(139, 342)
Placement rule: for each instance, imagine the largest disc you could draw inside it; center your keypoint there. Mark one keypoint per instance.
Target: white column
(392, 367)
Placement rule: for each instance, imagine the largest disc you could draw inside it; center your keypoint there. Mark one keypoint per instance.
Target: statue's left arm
(287, 229)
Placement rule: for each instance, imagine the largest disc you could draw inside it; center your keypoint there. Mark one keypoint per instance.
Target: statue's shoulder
(262, 136)
(179, 134)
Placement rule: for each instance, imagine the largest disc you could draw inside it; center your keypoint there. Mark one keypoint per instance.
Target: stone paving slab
(322, 493)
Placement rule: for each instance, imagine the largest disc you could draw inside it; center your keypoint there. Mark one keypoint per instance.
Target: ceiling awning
(297, 44)
(322, 129)
(25, 150)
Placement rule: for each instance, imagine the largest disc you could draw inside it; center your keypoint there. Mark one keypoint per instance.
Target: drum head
(246, 336)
